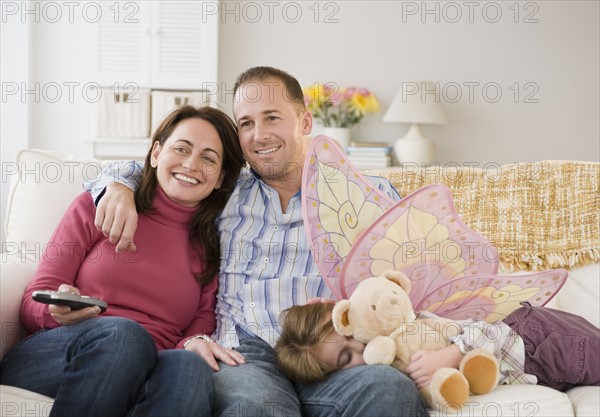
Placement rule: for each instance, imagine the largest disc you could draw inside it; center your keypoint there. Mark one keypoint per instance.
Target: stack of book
(370, 155)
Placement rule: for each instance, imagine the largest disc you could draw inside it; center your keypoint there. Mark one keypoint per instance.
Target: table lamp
(416, 102)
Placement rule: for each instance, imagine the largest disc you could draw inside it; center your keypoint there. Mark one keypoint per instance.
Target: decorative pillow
(581, 293)
(43, 185)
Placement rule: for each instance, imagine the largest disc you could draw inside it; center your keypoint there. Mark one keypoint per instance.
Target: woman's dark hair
(203, 230)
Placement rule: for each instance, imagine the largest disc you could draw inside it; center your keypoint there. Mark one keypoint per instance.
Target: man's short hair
(293, 89)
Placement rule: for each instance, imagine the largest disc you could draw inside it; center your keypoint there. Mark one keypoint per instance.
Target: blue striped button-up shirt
(266, 262)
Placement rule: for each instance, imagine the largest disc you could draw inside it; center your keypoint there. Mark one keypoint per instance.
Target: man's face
(271, 129)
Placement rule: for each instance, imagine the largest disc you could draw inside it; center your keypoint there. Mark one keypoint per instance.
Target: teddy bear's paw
(448, 389)
(380, 351)
(481, 370)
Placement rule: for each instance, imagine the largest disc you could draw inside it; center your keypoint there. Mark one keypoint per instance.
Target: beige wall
(380, 44)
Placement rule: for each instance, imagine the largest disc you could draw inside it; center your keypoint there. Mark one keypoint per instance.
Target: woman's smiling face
(189, 163)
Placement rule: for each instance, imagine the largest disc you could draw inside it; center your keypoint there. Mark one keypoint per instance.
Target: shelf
(120, 141)
(119, 148)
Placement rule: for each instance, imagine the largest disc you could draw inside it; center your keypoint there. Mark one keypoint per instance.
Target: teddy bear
(380, 314)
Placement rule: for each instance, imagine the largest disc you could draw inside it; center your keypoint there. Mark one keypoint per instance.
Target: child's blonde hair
(303, 328)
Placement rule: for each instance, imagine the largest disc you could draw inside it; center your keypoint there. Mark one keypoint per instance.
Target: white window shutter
(184, 45)
(123, 44)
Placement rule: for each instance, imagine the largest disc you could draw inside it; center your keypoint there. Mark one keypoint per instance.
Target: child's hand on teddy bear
(424, 363)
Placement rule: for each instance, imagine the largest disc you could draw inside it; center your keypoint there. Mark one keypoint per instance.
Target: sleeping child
(534, 345)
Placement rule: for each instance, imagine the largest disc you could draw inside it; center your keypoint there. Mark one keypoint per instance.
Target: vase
(414, 148)
(340, 134)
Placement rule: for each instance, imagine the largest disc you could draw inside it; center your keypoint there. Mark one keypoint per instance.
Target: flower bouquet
(339, 107)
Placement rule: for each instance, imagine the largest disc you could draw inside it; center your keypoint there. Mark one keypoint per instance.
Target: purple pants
(561, 349)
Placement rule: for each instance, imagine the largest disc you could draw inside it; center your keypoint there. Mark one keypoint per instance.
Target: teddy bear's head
(377, 307)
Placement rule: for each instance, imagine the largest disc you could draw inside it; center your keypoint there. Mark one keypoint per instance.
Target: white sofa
(44, 183)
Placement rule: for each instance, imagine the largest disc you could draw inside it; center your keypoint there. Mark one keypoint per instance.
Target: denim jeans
(109, 366)
(257, 388)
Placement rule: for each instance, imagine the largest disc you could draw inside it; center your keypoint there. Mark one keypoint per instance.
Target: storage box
(123, 114)
(163, 102)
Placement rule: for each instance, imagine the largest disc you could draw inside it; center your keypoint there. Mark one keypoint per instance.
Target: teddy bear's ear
(339, 317)
(399, 278)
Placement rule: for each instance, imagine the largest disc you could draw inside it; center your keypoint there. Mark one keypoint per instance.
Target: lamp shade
(416, 102)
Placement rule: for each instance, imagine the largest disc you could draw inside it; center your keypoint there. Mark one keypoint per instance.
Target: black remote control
(74, 301)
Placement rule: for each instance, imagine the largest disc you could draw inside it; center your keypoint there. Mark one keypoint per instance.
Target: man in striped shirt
(267, 266)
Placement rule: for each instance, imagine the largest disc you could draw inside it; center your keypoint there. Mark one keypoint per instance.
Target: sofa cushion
(17, 271)
(515, 400)
(43, 185)
(585, 400)
(20, 402)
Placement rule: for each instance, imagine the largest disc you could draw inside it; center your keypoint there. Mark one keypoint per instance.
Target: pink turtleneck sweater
(153, 286)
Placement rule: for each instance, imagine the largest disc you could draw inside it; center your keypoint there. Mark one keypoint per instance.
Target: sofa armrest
(16, 271)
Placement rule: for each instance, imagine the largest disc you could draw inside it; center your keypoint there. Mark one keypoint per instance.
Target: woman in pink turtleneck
(132, 359)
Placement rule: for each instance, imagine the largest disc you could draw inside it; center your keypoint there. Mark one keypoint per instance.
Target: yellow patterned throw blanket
(539, 215)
